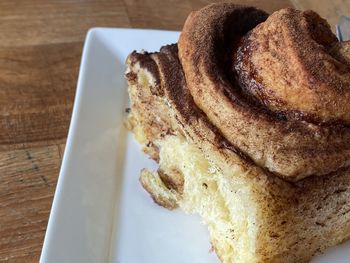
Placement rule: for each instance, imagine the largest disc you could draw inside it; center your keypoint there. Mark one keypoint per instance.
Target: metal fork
(343, 28)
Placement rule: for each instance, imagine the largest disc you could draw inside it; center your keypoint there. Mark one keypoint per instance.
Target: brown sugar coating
(289, 64)
(268, 111)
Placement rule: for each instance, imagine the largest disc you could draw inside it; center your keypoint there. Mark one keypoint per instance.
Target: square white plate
(100, 212)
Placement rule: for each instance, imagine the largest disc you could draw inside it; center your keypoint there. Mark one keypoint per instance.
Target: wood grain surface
(40, 50)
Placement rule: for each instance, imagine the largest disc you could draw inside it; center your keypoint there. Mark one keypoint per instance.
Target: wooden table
(40, 49)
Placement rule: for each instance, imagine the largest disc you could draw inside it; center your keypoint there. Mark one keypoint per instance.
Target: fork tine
(338, 32)
(343, 28)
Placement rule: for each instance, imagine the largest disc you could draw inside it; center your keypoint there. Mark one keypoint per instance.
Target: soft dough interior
(224, 205)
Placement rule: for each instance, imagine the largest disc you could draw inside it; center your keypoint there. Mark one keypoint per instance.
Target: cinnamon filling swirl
(293, 64)
(276, 90)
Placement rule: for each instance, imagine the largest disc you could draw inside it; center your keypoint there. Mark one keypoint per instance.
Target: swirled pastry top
(294, 64)
(276, 88)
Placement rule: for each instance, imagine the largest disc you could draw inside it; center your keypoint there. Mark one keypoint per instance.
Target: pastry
(247, 116)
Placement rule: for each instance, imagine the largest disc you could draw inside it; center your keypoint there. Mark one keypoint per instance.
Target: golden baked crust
(289, 145)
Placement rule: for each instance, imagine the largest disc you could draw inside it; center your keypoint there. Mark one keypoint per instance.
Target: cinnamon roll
(247, 117)
(278, 93)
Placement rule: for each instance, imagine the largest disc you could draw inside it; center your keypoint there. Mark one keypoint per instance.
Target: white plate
(100, 212)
